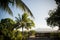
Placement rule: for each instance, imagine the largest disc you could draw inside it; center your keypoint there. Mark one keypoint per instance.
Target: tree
(24, 22)
(16, 35)
(28, 23)
(54, 19)
(7, 31)
(57, 1)
(6, 28)
(7, 23)
(4, 4)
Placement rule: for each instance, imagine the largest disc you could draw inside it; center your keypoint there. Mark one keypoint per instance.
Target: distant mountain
(45, 30)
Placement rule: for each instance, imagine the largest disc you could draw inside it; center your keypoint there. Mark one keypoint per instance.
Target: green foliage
(7, 24)
(17, 35)
(4, 4)
(32, 32)
(28, 22)
(54, 17)
(25, 21)
(7, 27)
(7, 31)
(57, 1)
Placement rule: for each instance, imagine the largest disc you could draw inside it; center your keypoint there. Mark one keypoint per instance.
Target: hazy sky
(39, 8)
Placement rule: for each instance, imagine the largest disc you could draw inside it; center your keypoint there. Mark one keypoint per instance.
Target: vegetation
(24, 22)
(4, 5)
(54, 16)
(8, 28)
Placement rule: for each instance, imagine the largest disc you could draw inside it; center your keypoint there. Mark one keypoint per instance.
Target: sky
(39, 8)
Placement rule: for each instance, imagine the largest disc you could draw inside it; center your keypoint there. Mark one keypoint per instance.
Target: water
(44, 38)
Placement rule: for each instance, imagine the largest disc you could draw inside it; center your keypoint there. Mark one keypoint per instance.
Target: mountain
(45, 30)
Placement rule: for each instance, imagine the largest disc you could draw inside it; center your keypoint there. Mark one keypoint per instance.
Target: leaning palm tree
(24, 22)
(28, 22)
(4, 4)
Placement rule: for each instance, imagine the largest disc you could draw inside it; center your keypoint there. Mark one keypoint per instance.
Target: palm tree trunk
(22, 34)
(28, 35)
(22, 30)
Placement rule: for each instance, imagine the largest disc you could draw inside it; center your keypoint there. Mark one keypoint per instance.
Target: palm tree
(24, 22)
(4, 4)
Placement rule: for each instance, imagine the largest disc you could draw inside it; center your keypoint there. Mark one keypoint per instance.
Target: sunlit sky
(39, 8)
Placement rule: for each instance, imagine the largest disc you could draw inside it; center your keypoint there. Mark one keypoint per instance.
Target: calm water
(44, 38)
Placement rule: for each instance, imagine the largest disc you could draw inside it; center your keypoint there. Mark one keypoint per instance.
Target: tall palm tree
(28, 22)
(4, 4)
(24, 22)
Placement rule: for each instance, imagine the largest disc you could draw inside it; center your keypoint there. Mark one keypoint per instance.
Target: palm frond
(17, 19)
(23, 6)
(9, 10)
(19, 3)
(4, 5)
